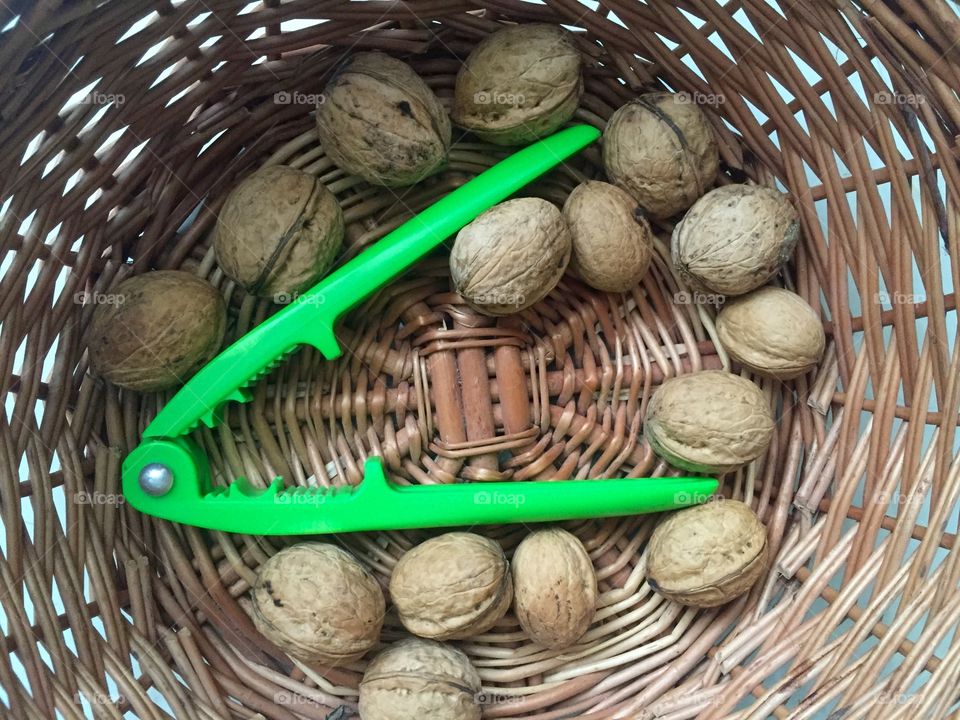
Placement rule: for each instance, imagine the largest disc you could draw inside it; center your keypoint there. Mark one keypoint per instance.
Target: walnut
(279, 232)
(511, 256)
(709, 421)
(452, 586)
(735, 238)
(378, 119)
(419, 680)
(707, 555)
(612, 243)
(153, 331)
(555, 587)
(519, 84)
(660, 148)
(773, 332)
(318, 603)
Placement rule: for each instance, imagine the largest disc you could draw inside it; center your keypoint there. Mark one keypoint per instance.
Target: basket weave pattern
(851, 107)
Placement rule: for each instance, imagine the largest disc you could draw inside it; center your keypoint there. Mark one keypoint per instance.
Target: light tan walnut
(707, 555)
(710, 421)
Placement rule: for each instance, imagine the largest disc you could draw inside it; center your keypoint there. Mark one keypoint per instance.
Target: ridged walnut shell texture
(735, 238)
(662, 151)
(452, 586)
(159, 329)
(379, 120)
(555, 588)
(318, 603)
(710, 421)
(707, 555)
(511, 256)
(612, 243)
(420, 680)
(773, 332)
(279, 231)
(518, 84)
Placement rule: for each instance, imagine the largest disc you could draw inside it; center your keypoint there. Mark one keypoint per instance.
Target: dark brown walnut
(511, 256)
(773, 332)
(420, 680)
(380, 121)
(318, 603)
(705, 556)
(156, 330)
(661, 149)
(518, 84)
(735, 238)
(612, 242)
(453, 586)
(279, 232)
(710, 422)
(555, 588)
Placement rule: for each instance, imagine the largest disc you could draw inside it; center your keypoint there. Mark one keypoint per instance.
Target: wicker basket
(126, 122)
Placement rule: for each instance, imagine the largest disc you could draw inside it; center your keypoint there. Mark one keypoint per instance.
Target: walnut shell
(318, 603)
(452, 586)
(773, 332)
(379, 120)
(707, 555)
(612, 243)
(279, 232)
(418, 680)
(660, 148)
(156, 330)
(518, 84)
(555, 587)
(710, 421)
(511, 256)
(735, 238)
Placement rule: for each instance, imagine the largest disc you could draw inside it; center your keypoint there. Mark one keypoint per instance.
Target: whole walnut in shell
(612, 243)
(555, 587)
(379, 120)
(773, 332)
(511, 256)
(318, 603)
(153, 331)
(279, 231)
(705, 556)
(420, 680)
(710, 421)
(518, 84)
(660, 148)
(452, 586)
(735, 238)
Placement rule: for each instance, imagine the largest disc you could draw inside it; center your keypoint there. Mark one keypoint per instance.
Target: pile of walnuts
(280, 229)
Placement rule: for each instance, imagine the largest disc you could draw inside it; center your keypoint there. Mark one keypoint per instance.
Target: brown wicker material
(850, 106)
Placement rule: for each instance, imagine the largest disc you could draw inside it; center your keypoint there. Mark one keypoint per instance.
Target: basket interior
(126, 124)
